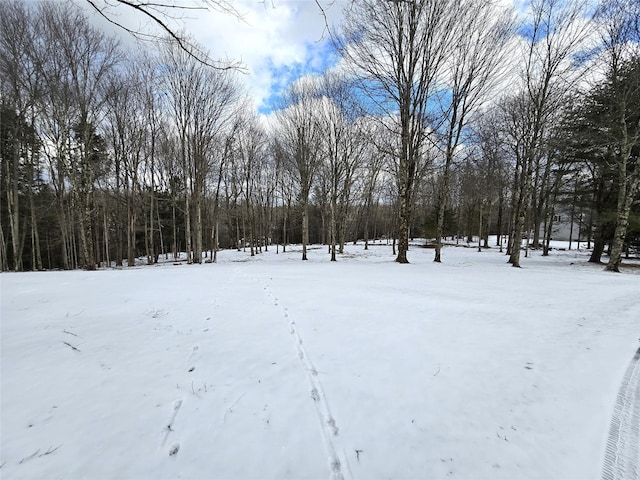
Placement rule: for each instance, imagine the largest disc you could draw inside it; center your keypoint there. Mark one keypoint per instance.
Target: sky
(277, 41)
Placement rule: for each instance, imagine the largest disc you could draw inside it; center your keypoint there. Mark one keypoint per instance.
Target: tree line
(443, 119)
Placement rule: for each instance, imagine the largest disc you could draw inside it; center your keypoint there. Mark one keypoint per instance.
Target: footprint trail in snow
(328, 425)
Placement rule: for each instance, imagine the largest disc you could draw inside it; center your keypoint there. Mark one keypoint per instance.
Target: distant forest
(444, 118)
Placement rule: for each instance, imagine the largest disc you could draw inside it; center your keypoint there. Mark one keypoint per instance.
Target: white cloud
(277, 40)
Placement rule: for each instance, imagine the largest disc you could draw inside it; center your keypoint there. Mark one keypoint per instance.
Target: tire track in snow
(622, 455)
(338, 463)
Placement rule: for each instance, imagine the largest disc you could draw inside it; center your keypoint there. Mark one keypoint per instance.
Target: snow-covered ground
(272, 368)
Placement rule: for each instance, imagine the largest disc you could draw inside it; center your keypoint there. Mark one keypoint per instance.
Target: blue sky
(278, 41)
(319, 57)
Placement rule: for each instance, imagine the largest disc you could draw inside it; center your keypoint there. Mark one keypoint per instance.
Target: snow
(270, 367)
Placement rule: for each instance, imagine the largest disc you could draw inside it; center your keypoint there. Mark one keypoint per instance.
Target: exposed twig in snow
(70, 333)
(33, 455)
(3, 464)
(435, 374)
(72, 347)
(229, 410)
(358, 452)
(50, 450)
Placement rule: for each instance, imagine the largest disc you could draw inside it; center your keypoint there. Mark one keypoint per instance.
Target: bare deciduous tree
(474, 66)
(342, 146)
(200, 100)
(398, 50)
(18, 92)
(162, 16)
(620, 21)
(299, 136)
(74, 62)
(556, 32)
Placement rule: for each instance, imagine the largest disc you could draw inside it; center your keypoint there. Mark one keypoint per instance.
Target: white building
(561, 228)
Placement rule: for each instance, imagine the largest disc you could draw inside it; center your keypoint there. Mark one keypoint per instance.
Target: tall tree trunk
(85, 231)
(499, 226)
(35, 234)
(63, 222)
(131, 235)
(332, 225)
(174, 228)
(214, 241)
(106, 239)
(305, 228)
(237, 230)
(626, 195)
(403, 226)
(520, 211)
(187, 227)
(367, 214)
(13, 204)
(4, 264)
(442, 205)
(284, 229)
(548, 227)
(197, 254)
(480, 229)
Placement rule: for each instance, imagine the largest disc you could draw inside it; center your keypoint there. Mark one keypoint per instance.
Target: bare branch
(154, 12)
(72, 347)
(326, 22)
(50, 450)
(33, 455)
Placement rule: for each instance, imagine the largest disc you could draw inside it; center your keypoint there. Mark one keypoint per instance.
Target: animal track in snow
(336, 474)
(175, 447)
(191, 360)
(315, 395)
(193, 352)
(169, 428)
(327, 423)
(332, 424)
